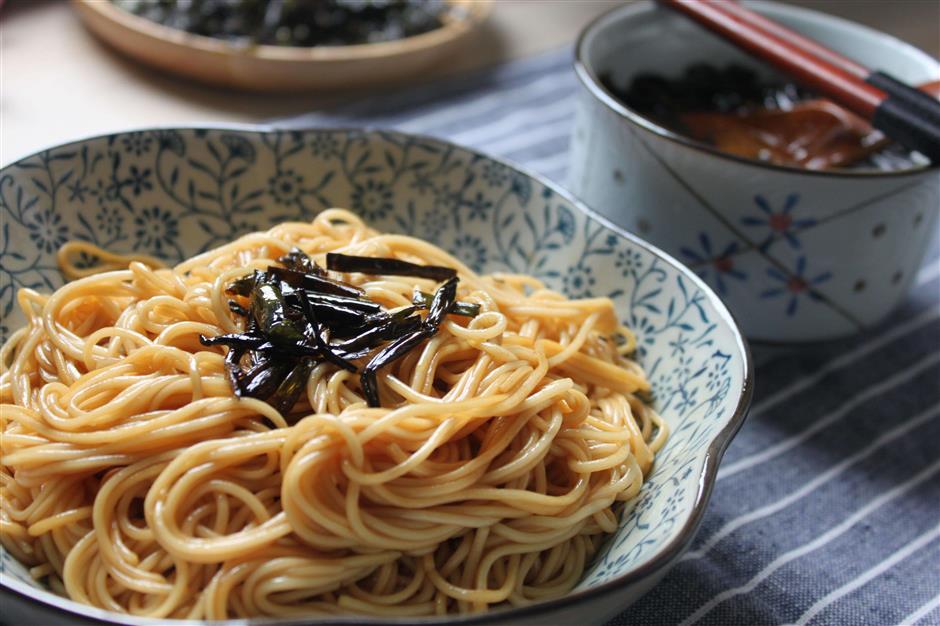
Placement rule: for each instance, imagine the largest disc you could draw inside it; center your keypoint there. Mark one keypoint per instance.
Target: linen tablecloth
(827, 505)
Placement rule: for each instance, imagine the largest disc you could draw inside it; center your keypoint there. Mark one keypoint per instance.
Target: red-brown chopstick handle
(775, 29)
(818, 74)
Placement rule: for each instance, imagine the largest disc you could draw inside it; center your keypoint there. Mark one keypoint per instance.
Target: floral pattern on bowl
(174, 193)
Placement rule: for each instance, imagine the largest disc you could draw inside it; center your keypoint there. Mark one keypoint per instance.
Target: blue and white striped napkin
(827, 506)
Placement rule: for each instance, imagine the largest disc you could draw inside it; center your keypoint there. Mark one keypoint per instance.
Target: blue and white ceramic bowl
(796, 255)
(174, 193)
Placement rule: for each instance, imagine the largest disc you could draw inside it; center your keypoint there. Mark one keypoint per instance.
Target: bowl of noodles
(341, 376)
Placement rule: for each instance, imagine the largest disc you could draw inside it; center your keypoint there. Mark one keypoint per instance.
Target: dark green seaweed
(315, 282)
(298, 261)
(297, 317)
(444, 299)
(245, 285)
(286, 394)
(392, 352)
(386, 267)
(465, 309)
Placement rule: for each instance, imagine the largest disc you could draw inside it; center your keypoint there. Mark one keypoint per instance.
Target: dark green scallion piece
(245, 285)
(298, 261)
(285, 396)
(444, 299)
(314, 282)
(392, 352)
(269, 312)
(465, 309)
(297, 317)
(315, 333)
(243, 341)
(263, 380)
(398, 324)
(386, 267)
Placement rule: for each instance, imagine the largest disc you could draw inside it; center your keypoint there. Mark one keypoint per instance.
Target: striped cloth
(827, 505)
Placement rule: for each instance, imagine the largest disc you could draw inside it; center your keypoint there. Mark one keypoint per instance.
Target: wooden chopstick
(817, 74)
(880, 80)
(775, 29)
(902, 112)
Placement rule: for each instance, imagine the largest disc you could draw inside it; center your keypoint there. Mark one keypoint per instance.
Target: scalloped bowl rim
(663, 558)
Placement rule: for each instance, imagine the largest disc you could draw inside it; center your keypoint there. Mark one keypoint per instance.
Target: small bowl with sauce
(809, 225)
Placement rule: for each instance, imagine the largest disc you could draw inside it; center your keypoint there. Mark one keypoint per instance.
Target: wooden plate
(277, 68)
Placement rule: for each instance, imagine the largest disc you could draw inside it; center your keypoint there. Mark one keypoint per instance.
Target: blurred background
(58, 82)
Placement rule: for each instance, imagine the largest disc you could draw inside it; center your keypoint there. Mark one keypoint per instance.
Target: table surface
(58, 83)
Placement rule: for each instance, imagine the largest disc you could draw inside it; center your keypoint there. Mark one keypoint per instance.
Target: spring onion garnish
(423, 300)
(443, 300)
(297, 317)
(388, 267)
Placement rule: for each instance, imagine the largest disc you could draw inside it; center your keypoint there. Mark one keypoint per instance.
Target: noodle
(134, 480)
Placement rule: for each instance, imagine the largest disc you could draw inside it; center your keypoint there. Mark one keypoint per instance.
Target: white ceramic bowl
(173, 193)
(797, 255)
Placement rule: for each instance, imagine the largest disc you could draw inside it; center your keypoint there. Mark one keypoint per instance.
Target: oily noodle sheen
(134, 480)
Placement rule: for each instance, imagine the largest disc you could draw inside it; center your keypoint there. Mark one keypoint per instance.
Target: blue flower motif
(717, 372)
(285, 187)
(136, 143)
(138, 179)
(471, 251)
(324, 145)
(522, 188)
(780, 223)
(646, 333)
(565, 223)
(709, 263)
(243, 228)
(672, 501)
(494, 174)
(47, 230)
(238, 147)
(447, 199)
(77, 190)
(109, 220)
(579, 281)
(662, 387)
(155, 229)
(629, 262)
(172, 141)
(794, 286)
(687, 397)
(372, 200)
(479, 206)
(434, 223)
(422, 183)
(679, 344)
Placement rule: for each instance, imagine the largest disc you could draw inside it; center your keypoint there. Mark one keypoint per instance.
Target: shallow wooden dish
(277, 68)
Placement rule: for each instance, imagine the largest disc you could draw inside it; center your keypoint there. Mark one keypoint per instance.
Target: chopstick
(912, 118)
(779, 31)
(881, 80)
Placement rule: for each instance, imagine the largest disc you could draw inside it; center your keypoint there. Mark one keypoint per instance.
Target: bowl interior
(174, 193)
(648, 38)
(645, 37)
